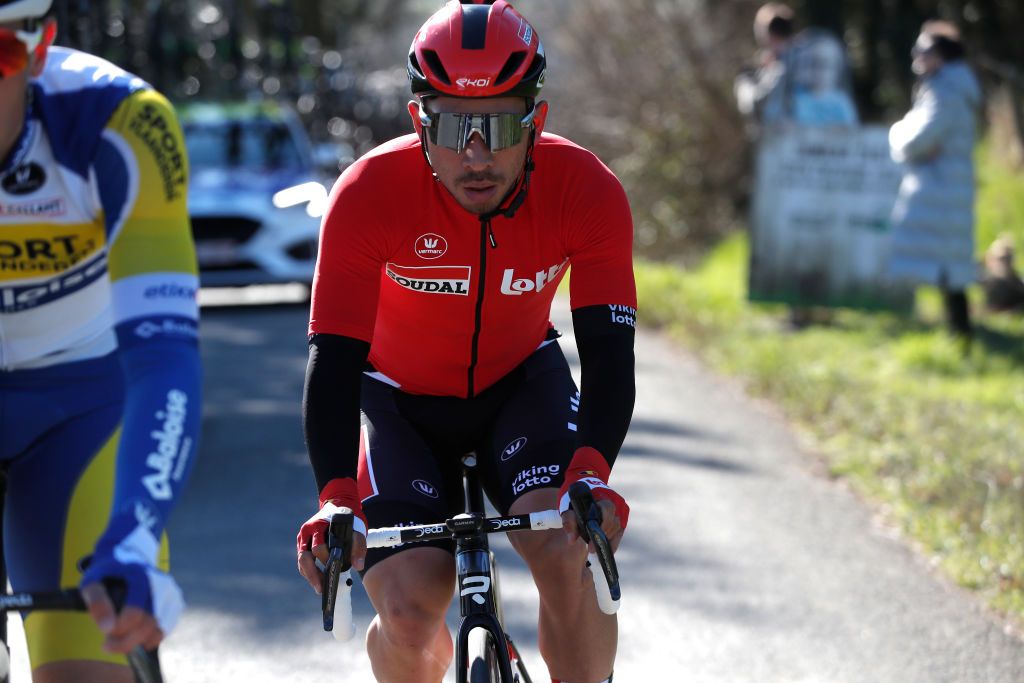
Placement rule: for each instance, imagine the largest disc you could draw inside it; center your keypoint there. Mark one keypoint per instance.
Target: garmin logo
(171, 445)
(513, 286)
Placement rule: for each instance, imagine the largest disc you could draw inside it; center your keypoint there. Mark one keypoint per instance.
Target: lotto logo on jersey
(431, 279)
(538, 475)
(516, 286)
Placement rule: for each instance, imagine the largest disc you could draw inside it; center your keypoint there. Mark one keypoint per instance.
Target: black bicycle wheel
(483, 658)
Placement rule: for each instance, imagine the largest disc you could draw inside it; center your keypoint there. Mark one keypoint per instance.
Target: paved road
(740, 564)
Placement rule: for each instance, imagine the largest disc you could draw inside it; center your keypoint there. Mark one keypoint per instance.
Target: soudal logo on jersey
(430, 246)
(516, 286)
(21, 298)
(431, 279)
(24, 179)
(41, 207)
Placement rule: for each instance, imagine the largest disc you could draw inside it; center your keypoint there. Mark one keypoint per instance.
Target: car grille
(233, 229)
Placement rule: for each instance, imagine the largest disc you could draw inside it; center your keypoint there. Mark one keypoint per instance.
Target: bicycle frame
(476, 578)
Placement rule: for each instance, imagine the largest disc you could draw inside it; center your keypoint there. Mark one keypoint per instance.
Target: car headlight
(312, 194)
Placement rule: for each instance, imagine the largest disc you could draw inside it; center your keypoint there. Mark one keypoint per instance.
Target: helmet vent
(515, 60)
(434, 62)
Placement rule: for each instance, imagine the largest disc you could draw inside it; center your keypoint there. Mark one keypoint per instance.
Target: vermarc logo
(430, 246)
(513, 448)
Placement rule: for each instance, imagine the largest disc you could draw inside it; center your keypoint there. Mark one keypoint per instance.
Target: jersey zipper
(485, 233)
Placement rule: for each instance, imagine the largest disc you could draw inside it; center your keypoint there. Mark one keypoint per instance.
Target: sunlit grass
(930, 431)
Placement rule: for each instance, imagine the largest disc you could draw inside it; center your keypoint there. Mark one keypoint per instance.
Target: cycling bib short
(522, 430)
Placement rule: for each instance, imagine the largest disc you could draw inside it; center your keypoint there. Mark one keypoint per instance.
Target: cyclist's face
(13, 93)
(477, 177)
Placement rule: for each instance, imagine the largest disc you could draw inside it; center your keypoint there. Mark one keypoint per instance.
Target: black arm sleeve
(330, 405)
(604, 338)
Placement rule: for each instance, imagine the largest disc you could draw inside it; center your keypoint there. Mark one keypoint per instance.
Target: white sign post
(820, 218)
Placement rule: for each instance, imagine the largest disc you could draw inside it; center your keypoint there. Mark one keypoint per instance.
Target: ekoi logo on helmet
(473, 82)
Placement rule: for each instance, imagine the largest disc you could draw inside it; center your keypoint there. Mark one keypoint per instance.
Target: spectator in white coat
(933, 219)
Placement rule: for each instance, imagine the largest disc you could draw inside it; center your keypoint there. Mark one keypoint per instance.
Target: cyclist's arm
(346, 287)
(141, 171)
(330, 405)
(142, 174)
(608, 387)
(603, 301)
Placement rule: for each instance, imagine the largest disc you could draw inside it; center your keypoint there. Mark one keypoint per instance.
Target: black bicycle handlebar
(145, 664)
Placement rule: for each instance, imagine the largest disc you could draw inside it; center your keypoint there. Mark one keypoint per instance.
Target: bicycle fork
(477, 604)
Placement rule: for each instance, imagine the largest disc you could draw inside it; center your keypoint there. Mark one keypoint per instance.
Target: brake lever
(339, 561)
(588, 523)
(582, 503)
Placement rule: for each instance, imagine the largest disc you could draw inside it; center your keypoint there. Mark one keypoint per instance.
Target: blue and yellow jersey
(99, 364)
(95, 242)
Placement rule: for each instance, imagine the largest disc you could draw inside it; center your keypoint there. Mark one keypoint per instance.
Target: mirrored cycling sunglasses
(498, 131)
(15, 49)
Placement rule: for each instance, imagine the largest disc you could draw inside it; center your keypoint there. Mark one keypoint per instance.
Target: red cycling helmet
(477, 49)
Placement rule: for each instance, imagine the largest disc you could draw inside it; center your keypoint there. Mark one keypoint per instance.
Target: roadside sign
(820, 218)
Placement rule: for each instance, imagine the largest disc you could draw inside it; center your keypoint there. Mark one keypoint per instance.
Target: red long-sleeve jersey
(448, 311)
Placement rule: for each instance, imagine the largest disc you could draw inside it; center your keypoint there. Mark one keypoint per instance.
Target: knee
(408, 621)
(411, 598)
(557, 566)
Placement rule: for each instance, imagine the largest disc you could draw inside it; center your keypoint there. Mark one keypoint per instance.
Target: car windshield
(231, 144)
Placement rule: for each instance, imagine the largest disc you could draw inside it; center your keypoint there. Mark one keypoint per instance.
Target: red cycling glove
(590, 467)
(338, 493)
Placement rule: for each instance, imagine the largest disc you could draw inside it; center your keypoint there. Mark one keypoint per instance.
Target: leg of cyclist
(63, 448)
(403, 480)
(576, 639)
(522, 465)
(408, 641)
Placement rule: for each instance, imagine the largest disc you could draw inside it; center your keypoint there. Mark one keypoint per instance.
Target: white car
(256, 194)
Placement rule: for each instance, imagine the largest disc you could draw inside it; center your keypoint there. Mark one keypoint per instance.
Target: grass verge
(934, 435)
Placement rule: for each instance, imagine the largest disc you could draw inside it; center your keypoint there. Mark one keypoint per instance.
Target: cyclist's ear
(39, 54)
(539, 118)
(414, 114)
